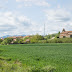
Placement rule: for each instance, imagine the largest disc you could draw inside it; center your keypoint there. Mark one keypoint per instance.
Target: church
(65, 34)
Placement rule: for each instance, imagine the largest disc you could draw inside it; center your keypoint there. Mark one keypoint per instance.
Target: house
(2, 38)
(27, 41)
(65, 34)
(27, 36)
(15, 37)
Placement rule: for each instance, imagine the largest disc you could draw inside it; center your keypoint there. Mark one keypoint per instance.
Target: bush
(18, 41)
(4, 42)
(42, 41)
(60, 40)
(7, 41)
(43, 69)
(21, 41)
(36, 38)
(1, 41)
(32, 40)
(15, 42)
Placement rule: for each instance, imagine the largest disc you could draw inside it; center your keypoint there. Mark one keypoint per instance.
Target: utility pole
(44, 29)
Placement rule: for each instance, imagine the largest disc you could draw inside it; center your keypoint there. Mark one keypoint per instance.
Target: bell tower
(63, 30)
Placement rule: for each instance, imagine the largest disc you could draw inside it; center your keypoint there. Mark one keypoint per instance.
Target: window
(63, 36)
(70, 36)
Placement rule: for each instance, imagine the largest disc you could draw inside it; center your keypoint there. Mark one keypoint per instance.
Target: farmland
(37, 57)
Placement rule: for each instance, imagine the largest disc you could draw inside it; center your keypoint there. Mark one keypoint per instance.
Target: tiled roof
(16, 37)
(26, 36)
(66, 32)
(19, 36)
(12, 37)
(28, 40)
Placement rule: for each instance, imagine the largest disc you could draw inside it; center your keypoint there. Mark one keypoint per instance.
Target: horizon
(27, 17)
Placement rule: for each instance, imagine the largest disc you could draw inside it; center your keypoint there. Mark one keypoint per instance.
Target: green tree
(57, 35)
(20, 41)
(49, 36)
(1, 41)
(36, 38)
(17, 41)
(4, 42)
(7, 41)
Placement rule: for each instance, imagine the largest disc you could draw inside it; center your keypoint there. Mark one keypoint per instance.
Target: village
(38, 38)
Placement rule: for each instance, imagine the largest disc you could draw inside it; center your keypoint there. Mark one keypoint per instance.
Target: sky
(27, 17)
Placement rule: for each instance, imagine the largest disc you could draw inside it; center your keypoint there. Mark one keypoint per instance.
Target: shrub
(36, 38)
(7, 41)
(42, 41)
(60, 40)
(18, 41)
(15, 42)
(43, 69)
(21, 41)
(48, 69)
(1, 41)
(4, 42)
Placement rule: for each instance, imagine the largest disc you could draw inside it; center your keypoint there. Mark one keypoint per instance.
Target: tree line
(50, 38)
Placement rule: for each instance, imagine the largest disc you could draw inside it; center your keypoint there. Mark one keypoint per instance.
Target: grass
(36, 57)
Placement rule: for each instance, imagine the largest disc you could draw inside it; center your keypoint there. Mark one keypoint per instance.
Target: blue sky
(28, 17)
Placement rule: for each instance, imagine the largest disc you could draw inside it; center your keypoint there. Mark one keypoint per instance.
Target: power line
(44, 29)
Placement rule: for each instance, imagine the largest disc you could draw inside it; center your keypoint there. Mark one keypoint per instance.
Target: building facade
(15, 37)
(65, 34)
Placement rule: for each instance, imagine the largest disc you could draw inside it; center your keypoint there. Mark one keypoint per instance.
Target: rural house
(2, 38)
(14, 37)
(27, 36)
(65, 34)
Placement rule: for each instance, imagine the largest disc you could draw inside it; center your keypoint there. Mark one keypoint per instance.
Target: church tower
(63, 30)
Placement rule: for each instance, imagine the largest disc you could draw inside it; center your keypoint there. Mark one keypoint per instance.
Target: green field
(38, 57)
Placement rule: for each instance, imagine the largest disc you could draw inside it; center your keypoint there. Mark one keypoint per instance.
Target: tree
(21, 41)
(1, 41)
(57, 35)
(17, 41)
(7, 41)
(36, 38)
(4, 42)
(49, 36)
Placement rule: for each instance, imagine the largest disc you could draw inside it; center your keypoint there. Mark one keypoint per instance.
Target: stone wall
(62, 35)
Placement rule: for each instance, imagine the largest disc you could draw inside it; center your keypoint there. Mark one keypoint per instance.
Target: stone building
(65, 34)
(15, 37)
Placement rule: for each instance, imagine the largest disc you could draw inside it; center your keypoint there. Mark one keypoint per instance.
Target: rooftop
(66, 32)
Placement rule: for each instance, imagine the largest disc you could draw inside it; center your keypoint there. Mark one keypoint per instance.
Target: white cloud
(12, 24)
(34, 2)
(58, 15)
(5, 32)
(25, 0)
(27, 5)
(58, 6)
(23, 18)
(20, 6)
(57, 19)
(43, 3)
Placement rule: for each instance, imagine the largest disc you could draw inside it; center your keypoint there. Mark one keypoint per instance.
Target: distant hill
(10, 35)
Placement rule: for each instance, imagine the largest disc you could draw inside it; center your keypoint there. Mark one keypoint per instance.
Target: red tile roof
(66, 32)
(16, 37)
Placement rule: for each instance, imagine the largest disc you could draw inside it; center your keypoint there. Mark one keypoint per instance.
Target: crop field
(36, 58)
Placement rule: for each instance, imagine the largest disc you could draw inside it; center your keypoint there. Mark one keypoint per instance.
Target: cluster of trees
(6, 41)
(37, 39)
(1, 41)
(60, 40)
(32, 39)
(49, 36)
